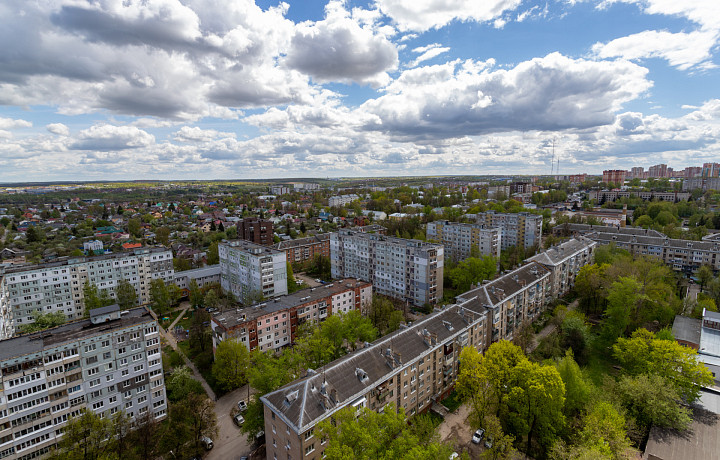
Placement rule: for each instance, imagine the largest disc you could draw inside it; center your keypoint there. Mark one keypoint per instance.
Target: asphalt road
(231, 443)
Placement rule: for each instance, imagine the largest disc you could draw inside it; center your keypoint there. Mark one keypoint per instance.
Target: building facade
(202, 276)
(342, 200)
(107, 364)
(252, 272)
(462, 240)
(273, 324)
(58, 286)
(616, 176)
(612, 195)
(408, 270)
(258, 231)
(304, 250)
(516, 229)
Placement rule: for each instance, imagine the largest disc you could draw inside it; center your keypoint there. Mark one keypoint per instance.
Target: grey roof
(301, 404)
(557, 254)
(232, 318)
(700, 442)
(687, 329)
(586, 228)
(654, 241)
(32, 343)
(250, 247)
(303, 241)
(201, 272)
(494, 292)
(104, 310)
(389, 239)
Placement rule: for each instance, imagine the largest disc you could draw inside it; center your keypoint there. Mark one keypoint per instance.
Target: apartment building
(569, 229)
(616, 176)
(258, 231)
(250, 271)
(516, 229)
(410, 368)
(612, 195)
(202, 276)
(409, 270)
(304, 250)
(342, 200)
(272, 325)
(704, 183)
(462, 240)
(564, 262)
(418, 364)
(106, 364)
(682, 255)
(58, 286)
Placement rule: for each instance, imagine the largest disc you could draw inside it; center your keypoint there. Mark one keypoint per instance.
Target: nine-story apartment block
(252, 272)
(463, 240)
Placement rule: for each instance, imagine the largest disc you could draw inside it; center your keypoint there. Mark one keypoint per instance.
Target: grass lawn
(452, 402)
(165, 323)
(600, 363)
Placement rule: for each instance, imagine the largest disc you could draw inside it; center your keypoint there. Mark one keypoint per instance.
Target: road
(231, 443)
(309, 282)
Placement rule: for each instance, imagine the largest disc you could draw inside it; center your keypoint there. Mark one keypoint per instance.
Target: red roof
(131, 245)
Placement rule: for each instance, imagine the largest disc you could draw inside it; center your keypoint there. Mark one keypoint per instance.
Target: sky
(233, 89)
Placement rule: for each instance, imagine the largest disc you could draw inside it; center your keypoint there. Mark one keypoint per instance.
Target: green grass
(453, 401)
(600, 363)
(436, 418)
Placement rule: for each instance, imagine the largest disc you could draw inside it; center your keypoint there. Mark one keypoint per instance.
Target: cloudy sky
(212, 89)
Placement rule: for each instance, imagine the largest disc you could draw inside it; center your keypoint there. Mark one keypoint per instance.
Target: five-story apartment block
(520, 229)
(252, 272)
(409, 270)
(272, 325)
(58, 286)
(463, 240)
(109, 363)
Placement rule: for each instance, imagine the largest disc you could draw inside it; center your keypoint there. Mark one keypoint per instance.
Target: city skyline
(174, 89)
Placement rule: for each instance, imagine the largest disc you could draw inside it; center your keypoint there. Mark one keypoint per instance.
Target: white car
(242, 405)
(478, 435)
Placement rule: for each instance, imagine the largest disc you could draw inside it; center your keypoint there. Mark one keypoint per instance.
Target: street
(231, 443)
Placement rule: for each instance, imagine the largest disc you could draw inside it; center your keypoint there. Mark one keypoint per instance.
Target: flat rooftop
(35, 342)
(250, 247)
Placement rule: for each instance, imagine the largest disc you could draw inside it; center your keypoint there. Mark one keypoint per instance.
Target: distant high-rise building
(693, 171)
(710, 170)
(250, 271)
(637, 172)
(409, 270)
(616, 176)
(462, 240)
(658, 171)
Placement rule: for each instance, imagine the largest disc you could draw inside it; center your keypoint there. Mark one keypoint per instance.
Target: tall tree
(42, 321)
(232, 360)
(160, 296)
(134, 228)
(125, 294)
(163, 235)
(196, 296)
(85, 437)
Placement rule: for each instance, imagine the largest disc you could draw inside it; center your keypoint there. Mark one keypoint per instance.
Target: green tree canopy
(232, 359)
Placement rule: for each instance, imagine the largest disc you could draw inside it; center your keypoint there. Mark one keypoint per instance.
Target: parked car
(478, 435)
(260, 438)
(488, 442)
(206, 442)
(239, 419)
(318, 280)
(242, 405)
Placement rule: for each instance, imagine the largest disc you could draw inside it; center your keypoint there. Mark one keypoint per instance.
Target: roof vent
(292, 396)
(448, 325)
(362, 375)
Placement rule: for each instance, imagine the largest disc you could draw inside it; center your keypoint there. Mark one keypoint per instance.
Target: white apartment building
(516, 229)
(58, 286)
(109, 363)
(341, 200)
(409, 270)
(461, 240)
(251, 271)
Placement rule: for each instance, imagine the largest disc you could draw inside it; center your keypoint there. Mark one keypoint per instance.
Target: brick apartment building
(259, 231)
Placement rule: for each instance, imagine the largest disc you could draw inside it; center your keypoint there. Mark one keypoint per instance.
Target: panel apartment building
(304, 250)
(516, 229)
(413, 366)
(272, 325)
(408, 270)
(58, 286)
(106, 364)
(460, 240)
(250, 271)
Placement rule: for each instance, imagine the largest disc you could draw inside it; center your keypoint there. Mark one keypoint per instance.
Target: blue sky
(172, 89)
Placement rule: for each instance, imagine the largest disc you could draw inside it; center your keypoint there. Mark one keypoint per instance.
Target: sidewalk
(173, 343)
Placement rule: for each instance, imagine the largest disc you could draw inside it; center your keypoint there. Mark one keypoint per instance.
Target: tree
(163, 235)
(84, 437)
(644, 353)
(524, 336)
(42, 321)
(134, 228)
(502, 444)
(384, 316)
(577, 390)
(314, 347)
(33, 235)
(121, 442)
(604, 430)
(196, 296)
(146, 436)
(160, 296)
(91, 297)
(125, 294)
(376, 436)
(624, 298)
(705, 275)
(197, 413)
(213, 256)
(232, 359)
(181, 383)
(212, 299)
(200, 335)
(357, 328)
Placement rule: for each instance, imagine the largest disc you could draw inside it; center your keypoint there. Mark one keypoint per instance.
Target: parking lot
(231, 443)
